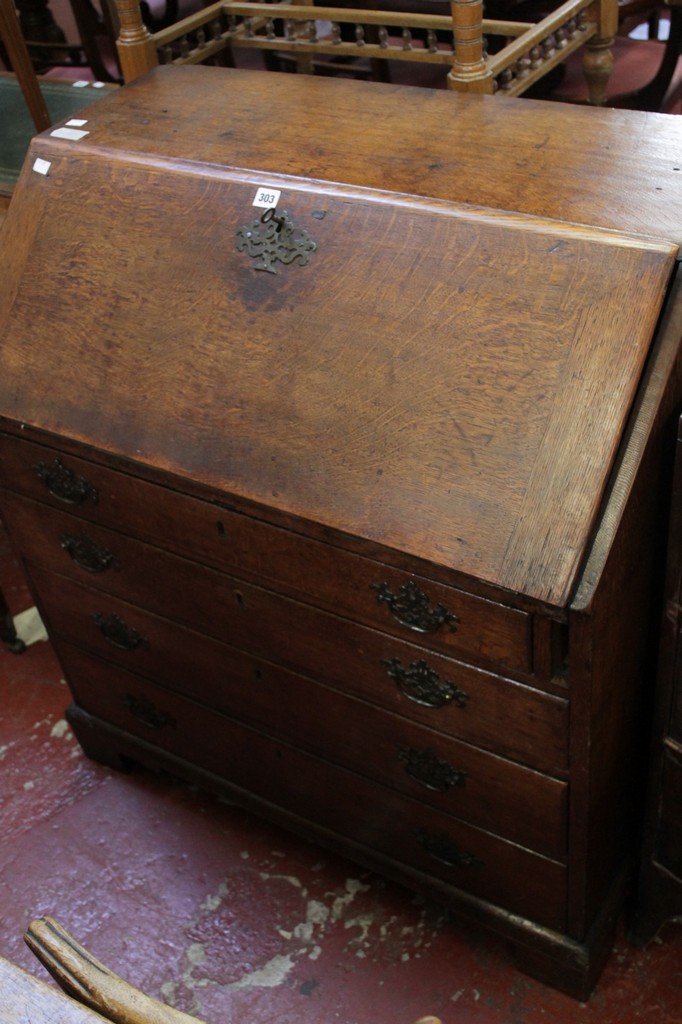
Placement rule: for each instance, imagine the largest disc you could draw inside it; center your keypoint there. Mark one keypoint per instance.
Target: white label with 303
(267, 198)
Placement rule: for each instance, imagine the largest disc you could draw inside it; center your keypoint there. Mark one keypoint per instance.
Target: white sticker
(29, 626)
(41, 166)
(267, 197)
(74, 134)
(98, 85)
(76, 122)
(80, 84)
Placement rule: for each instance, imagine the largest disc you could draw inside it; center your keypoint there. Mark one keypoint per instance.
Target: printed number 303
(267, 197)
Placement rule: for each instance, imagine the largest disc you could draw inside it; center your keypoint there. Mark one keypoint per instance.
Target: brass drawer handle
(119, 633)
(146, 712)
(87, 554)
(442, 848)
(422, 684)
(426, 768)
(410, 607)
(63, 484)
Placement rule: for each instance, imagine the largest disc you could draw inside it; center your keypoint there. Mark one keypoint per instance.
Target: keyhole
(239, 597)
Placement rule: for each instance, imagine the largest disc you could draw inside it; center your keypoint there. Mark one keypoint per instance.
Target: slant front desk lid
(447, 382)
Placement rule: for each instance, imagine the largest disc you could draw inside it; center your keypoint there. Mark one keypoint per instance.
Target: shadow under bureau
(338, 493)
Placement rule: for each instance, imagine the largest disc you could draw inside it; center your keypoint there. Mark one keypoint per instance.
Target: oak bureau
(334, 423)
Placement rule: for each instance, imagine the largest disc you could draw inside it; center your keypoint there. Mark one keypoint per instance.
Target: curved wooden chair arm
(84, 978)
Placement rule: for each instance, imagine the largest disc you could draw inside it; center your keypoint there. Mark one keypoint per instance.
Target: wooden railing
(522, 53)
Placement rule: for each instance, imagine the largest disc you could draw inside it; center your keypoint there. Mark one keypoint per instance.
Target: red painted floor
(214, 912)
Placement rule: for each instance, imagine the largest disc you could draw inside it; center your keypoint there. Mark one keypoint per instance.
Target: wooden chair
(647, 73)
(15, 47)
(525, 54)
(87, 980)
(94, 45)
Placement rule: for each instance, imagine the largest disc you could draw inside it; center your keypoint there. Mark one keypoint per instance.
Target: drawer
(448, 619)
(454, 777)
(342, 802)
(508, 718)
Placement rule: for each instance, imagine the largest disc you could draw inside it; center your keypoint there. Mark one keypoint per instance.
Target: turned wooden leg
(597, 67)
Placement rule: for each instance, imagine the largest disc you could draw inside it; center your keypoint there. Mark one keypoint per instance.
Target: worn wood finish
(377, 817)
(341, 581)
(27, 998)
(413, 340)
(462, 399)
(596, 183)
(495, 793)
(303, 637)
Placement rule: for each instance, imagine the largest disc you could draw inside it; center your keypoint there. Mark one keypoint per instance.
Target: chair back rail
(523, 54)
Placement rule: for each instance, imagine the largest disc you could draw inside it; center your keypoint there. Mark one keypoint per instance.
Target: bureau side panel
(612, 639)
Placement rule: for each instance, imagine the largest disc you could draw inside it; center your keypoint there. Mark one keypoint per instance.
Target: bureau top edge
(615, 169)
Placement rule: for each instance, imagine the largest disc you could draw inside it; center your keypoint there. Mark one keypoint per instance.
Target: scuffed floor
(201, 905)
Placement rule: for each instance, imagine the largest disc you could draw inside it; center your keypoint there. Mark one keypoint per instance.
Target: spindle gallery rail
(522, 53)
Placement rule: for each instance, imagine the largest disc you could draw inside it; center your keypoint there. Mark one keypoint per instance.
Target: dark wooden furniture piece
(48, 46)
(15, 47)
(347, 509)
(659, 895)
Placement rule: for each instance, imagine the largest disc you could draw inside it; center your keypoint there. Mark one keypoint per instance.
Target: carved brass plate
(270, 239)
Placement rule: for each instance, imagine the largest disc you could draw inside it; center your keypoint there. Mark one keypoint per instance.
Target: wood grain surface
(437, 380)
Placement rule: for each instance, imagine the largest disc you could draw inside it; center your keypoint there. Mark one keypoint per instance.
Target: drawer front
(454, 777)
(508, 718)
(403, 829)
(449, 620)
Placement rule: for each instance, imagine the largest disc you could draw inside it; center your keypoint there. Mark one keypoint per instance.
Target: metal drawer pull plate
(87, 554)
(421, 684)
(63, 484)
(410, 607)
(441, 847)
(119, 633)
(146, 712)
(425, 767)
